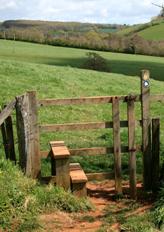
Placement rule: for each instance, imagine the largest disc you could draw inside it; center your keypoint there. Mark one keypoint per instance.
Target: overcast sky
(99, 11)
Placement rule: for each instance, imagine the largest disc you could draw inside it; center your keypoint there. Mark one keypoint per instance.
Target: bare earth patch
(102, 195)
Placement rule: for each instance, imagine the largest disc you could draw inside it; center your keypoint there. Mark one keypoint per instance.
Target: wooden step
(59, 150)
(78, 180)
(60, 164)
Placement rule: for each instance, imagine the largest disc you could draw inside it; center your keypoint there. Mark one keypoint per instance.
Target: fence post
(28, 134)
(4, 137)
(117, 144)
(132, 146)
(155, 153)
(146, 128)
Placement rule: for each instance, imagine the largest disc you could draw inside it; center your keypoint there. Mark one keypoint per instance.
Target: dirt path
(101, 195)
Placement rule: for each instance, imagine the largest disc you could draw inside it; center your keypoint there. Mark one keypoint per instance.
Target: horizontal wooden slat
(92, 151)
(90, 176)
(157, 98)
(6, 112)
(100, 176)
(93, 100)
(77, 174)
(84, 100)
(82, 126)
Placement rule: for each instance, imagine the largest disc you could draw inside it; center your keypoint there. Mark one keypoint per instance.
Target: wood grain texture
(7, 111)
(146, 130)
(117, 144)
(84, 100)
(28, 134)
(132, 147)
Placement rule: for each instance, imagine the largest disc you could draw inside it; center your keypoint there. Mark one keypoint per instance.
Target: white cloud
(106, 11)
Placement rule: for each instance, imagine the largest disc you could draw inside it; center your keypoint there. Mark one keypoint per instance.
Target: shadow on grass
(130, 68)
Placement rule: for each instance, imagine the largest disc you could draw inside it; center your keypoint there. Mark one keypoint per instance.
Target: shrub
(96, 62)
(158, 214)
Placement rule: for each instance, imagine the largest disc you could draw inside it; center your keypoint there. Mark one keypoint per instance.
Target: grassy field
(55, 72)
(153, 33)
(42, 54)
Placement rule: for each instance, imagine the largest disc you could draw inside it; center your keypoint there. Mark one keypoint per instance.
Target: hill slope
(149, 31)
(155, 32)
(43, 54)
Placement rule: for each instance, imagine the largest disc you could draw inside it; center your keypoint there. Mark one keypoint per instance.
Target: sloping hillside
(155, 32)
(150, 31)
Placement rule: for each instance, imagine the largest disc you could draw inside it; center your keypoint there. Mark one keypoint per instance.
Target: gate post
(146, 129)
(28, 134)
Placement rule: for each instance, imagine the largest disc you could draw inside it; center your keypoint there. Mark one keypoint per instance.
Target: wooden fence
(28, 132)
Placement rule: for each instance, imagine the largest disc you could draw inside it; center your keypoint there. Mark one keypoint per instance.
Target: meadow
(55, 72)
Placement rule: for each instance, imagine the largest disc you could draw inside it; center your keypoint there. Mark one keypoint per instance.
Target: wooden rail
(94, 151)
(94, 100)
(84, 100)
(7, 111)
(83, 126)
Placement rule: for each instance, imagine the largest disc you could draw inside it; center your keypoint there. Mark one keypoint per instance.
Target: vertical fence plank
(28, 134)
(117, 144)
(155, 153)
(10, 138)
(5, 142)
(146, 128)
(132, 147)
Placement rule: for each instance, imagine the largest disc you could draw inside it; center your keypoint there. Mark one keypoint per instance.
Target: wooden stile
(117, 144)
(155, 153)
(146, 128)
(28, 134)
(132, 147)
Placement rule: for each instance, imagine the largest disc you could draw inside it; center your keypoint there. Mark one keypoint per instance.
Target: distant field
(43, 54)
(153, 33)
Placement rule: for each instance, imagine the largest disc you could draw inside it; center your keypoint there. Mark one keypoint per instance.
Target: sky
(95, 11)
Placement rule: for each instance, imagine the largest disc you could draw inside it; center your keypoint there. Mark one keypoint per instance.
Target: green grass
(129, 65)
(22, 199)
(41, 73)
(155, 32)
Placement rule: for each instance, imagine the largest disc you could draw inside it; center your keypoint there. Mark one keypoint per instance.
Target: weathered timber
(93, 100)
(28, 134)
(60, 164)
(4, 138)
(6, 111)
(100, 176)
(132, 147)
(94, 151)
(117, 144)
(84, 100)
(146, 128)
(82, 126)
(78, 180)
(10, 138)
(155, 153)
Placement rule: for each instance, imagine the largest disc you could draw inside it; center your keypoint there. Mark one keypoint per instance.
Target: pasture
(54, 72)
(126, 64)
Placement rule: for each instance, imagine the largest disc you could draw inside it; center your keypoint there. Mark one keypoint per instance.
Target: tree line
(92, 39)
